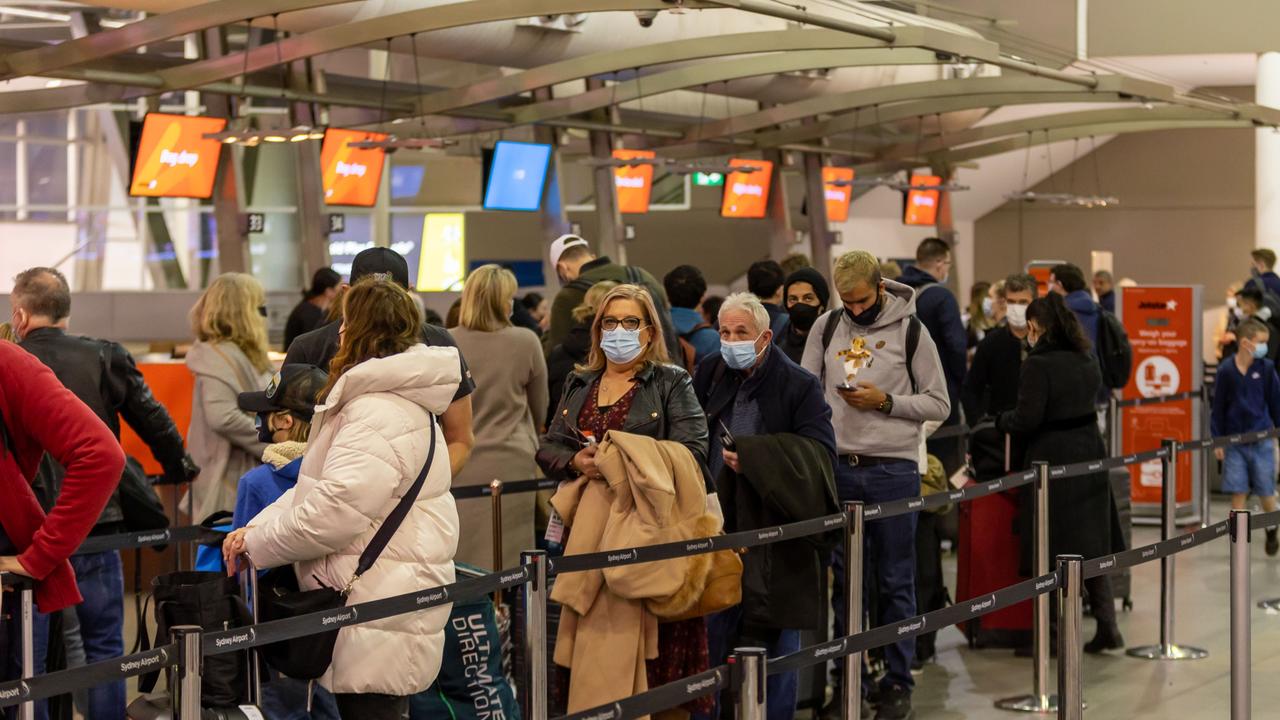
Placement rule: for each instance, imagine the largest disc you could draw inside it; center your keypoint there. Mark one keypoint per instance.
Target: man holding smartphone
(897, 384)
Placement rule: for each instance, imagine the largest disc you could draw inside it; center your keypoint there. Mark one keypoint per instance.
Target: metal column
(820, 236)
(554, 220)
(854, 536)
(609, 231)
(186, 701)
(233, 246)
(1167, 649)
(1039, 701)
(782, 237)
(1070, 638)
(313, 220)
(1241, 649)
(535, 634)
(751, 675)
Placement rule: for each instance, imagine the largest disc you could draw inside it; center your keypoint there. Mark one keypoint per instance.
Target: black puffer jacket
(103, 375)
(665, 408)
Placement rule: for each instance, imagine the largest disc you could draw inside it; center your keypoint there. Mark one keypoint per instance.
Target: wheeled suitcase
(1121, 582)
(988, 560)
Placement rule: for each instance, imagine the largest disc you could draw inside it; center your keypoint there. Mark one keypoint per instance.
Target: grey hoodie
(870, 432)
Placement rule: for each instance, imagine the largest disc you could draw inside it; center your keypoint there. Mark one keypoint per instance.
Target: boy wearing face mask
(1246, 398)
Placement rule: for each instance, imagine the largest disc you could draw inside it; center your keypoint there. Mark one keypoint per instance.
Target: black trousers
(372, 706)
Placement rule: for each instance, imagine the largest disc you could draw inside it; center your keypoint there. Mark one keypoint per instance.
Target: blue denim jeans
(725, 632)
(101, 580)
(888, 557)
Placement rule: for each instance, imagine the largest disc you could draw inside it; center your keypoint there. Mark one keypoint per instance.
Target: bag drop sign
(1163, 328)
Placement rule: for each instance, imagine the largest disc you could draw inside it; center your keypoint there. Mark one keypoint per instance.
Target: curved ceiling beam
(957, 140)
(382, 27)
(841, 102)
(1112, 84)
(606, 63)
(977, 152)
(194, 18)
(701, 74)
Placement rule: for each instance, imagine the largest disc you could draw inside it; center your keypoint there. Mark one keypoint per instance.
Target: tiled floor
(964, 683)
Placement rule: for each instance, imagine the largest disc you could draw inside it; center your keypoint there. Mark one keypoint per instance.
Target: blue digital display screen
(517, 176)
(406, 181)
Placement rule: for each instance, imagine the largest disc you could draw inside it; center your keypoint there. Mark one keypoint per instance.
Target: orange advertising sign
(922, 205)
(634, 183)
(174, 159)
(350, 176)
(746, 192)
(1161, 323)
(838, 196)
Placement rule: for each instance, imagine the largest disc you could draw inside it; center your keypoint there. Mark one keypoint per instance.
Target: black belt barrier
(664, 697)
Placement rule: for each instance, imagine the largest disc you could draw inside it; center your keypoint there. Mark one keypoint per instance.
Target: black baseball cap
(380, 261)
(296, 389)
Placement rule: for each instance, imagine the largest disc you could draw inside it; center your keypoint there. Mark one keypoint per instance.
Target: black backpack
(1115, 354)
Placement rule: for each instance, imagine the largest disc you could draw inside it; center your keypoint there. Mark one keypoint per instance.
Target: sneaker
(895, 704)
(1273, 543)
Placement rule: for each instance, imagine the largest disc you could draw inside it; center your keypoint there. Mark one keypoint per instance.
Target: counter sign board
(1164, 326)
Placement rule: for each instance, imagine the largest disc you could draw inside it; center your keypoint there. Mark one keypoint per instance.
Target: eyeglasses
(627, 323)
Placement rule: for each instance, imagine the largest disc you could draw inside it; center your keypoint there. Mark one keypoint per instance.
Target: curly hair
(379, 319)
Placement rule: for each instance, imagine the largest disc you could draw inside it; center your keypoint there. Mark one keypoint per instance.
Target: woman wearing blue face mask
(628, 385)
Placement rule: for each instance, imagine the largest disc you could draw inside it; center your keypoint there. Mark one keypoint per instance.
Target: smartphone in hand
(726, 439)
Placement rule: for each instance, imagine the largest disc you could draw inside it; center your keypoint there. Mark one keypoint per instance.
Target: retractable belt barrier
(676, 693)
(1140, 401)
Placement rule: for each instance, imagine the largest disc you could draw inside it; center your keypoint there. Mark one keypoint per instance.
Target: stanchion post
(1070, 637)
(1167, 649)
(854, 536)
(1114, 439)
(535, 634)
(1205, 457)
(186, 701)
(26, 606)
(495, 495)
(751, 692)
(1241, 649)
(1039, 701)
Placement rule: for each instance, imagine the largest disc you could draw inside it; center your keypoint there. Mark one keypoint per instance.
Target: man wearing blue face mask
(772, 451)
(1246, 398)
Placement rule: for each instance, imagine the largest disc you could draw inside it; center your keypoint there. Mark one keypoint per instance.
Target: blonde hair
(855, 267)
(654, 353)
(486, 299)
(228, 312)
(591, 300)
(300, 430)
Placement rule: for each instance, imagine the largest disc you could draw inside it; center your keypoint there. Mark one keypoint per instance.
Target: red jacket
(40, 415)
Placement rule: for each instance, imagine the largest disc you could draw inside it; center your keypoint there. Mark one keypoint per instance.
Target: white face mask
(1017, 315)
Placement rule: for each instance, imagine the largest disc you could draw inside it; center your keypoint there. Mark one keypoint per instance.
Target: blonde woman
(511, 394)
(228, 358)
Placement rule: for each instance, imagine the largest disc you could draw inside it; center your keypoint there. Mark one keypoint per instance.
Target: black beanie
(814, 278)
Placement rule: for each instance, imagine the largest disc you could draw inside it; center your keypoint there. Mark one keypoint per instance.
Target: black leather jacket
(665, 408)
(103, 375)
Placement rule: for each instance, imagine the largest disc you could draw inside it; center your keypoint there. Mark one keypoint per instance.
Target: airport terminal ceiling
(886, 88)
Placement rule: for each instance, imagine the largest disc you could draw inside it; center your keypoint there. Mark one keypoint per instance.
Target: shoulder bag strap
(398, 514)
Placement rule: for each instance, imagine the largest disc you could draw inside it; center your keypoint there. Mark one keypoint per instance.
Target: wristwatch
(886, 405)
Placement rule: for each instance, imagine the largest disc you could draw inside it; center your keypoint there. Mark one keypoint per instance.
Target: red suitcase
(988, 561)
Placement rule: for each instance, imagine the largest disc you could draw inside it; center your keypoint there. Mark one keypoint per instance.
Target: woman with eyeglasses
(629, 385)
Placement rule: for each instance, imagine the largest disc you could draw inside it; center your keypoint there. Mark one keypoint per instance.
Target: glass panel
(8, 178)
(49, 125)
(47, 179)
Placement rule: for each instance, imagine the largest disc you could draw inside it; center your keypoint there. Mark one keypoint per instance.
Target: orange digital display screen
(174, 159)
(634, 183)
(746, 193)
(838, 196)
(922, 205)
(350, 176)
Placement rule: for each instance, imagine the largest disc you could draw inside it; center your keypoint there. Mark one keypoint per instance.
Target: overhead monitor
(746, 191)
(837, 187)
(444, 247)
(922, 205)
(350, 176)
(516, 176)
(634, 183)
(174, 159)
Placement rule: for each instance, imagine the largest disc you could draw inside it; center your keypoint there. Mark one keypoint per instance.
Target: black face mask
(263, 423)
(868, 316)
(803, 316)
(262, 310)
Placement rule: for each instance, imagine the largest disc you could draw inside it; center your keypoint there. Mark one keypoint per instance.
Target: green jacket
(598, 270)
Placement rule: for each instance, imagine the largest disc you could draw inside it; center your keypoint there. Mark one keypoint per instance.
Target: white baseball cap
(562, 243)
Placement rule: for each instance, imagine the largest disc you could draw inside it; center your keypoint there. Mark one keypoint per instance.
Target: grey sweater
(870, 432)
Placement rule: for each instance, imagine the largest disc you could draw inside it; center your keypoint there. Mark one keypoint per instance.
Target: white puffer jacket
(367, 445)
